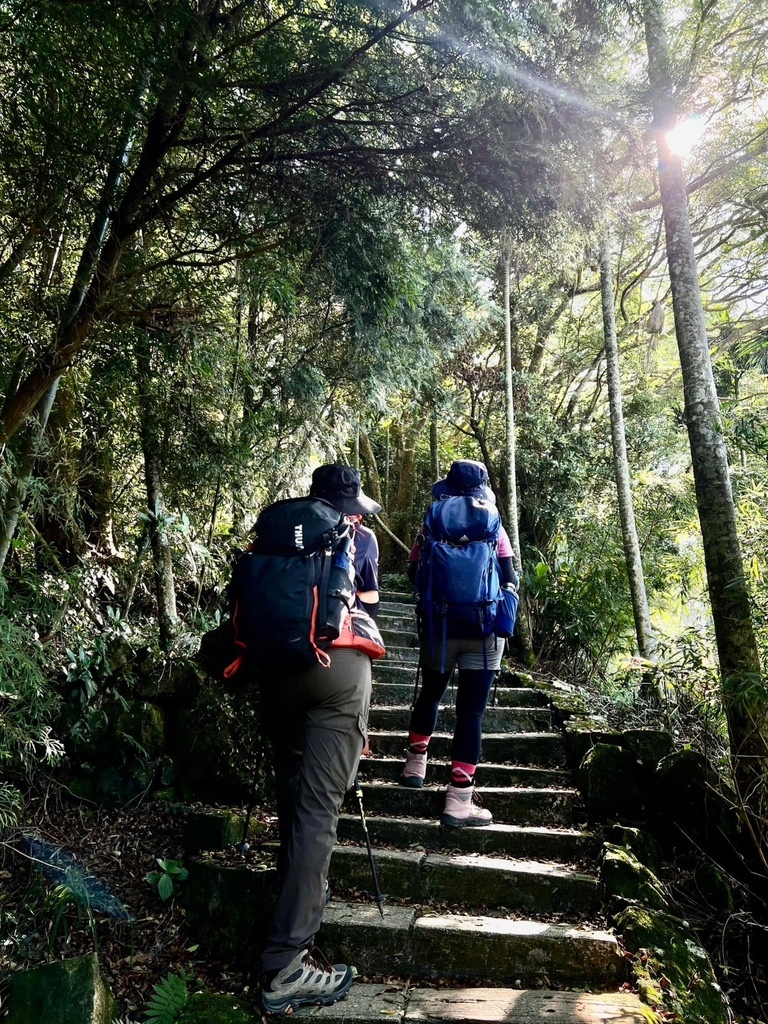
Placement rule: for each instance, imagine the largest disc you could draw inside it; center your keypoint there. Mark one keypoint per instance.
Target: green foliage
(169, 999)
(72, 892)
(28, 702)
(170, 871)
(10, 806)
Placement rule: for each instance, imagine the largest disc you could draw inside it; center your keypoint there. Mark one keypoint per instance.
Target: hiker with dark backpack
(466, 587)
(293, 604)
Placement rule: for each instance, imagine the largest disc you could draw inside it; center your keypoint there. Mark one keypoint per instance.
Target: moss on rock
(607, 780)
(67, 992)
(210, 1008)
(627, 879)
(671, 965)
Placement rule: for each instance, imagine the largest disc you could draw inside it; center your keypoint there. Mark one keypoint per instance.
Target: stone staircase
(496, 924)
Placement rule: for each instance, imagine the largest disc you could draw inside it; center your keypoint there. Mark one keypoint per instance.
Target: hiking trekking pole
(416, 685)
(378, 894)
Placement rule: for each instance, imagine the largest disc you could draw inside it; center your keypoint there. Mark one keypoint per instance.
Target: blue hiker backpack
(292, 589)
(457, 580)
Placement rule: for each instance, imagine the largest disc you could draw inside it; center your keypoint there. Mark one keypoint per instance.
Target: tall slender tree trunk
(523, 624)
(162, 556)
(645, 639)
(434, 448)
(745, 698)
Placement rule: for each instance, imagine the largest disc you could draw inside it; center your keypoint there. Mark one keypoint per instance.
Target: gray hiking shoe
(309, 980)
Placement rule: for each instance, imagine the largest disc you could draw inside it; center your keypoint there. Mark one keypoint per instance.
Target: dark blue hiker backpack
(457, 581)
(292, 589)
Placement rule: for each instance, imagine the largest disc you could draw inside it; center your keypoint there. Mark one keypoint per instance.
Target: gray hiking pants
(316, 722)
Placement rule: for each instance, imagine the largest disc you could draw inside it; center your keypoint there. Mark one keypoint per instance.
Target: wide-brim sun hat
(465, 477)
(341, 486)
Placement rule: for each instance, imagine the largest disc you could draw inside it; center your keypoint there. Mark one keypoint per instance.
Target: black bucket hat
(341, 486)
(465, 477)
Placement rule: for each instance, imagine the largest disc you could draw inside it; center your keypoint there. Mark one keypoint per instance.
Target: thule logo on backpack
(464, 539)
(298, 536)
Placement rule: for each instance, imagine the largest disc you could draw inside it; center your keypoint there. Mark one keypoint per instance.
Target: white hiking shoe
(308, 980)
(463, 808)
(414, 770)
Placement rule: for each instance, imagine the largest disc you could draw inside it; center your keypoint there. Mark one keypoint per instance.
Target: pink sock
(418, 743)
(462, 774)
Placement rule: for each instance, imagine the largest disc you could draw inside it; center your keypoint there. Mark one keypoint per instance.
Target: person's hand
(367, 748)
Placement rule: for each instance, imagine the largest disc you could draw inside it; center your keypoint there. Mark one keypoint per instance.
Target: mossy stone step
(404, 620)
(402, 655)
(388, 769)
(398, 637)
(523, 886)
(401, 695)
(496, 720)
(471, 949)
(565, 845)
(396, 608)
(514, 806)
(545, 749)
(404, 1004)
(384, 671)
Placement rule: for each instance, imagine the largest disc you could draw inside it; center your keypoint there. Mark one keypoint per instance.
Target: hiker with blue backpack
(466, 588)
(309, 648)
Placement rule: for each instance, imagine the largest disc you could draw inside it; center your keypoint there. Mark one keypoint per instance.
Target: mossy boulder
(687, 790)
(68, 992)
(648, 745)
(608, 782)
(581, 733)
(672, 966)
(627, 880)
(172, 685)
(638, 842)
(210, 1008)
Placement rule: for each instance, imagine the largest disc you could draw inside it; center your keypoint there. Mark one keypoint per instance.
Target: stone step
(496, 720)
(402, 1003)
(469, 949)
(397, 609)
(544, 749)
(399, 638)
(406, 656)
(403, 620)
(397, 596)
(401, 695)
(525, 887)
(513, 806)
(389, 768)
(385, 671)
(564, 845)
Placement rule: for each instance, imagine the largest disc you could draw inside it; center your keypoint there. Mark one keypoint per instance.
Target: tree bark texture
(744, 695)
(523, 624)
(162, 556)
(645, 639)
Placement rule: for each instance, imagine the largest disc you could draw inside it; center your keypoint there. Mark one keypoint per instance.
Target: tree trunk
(162, 558)
(744, 697)
(523, 623)
(645, 639)
(25, 463)
(434, 450)
(372, 478)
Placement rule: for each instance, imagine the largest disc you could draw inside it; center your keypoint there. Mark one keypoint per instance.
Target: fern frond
(169, 999)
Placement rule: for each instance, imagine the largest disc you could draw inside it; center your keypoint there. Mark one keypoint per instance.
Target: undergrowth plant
(169, 999)
(170, 871)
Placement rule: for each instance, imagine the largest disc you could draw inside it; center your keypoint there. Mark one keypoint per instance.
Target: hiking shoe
(414, 770)
(463, 808)
(308, 980)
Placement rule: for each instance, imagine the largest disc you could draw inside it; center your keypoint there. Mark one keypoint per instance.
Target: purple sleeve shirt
(366, 558)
